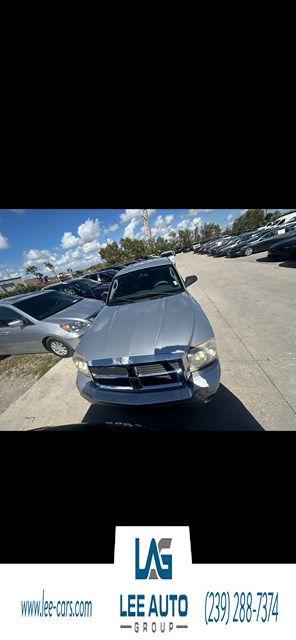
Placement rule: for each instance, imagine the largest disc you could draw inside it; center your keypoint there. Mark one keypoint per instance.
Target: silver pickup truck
(151, 344)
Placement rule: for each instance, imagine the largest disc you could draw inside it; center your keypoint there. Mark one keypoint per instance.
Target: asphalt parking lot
(251, 305)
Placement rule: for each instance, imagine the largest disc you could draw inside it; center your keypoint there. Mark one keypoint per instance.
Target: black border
(65, 494)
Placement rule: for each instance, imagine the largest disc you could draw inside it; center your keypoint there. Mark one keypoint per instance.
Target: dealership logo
(163, 562)
(151, 598)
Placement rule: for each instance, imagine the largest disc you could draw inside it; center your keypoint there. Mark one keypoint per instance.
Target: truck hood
(147, 327)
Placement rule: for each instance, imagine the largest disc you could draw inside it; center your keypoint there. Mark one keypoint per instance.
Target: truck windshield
(145, 283)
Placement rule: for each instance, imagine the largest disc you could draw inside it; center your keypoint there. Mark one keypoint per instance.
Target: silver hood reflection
(148, 327)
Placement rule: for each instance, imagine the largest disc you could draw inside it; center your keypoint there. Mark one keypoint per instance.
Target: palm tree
(48, 265)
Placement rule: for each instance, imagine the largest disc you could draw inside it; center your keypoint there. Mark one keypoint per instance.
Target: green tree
(251, 219)
(173, 239)
(150, 247)
(210, 230)
(268, 217)
(161, 244)
(185, 237)
(196, 235)
(273, 216)
(111, 254)
(132, 248)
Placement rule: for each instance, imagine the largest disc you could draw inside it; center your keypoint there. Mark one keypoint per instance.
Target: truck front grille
(144, 377)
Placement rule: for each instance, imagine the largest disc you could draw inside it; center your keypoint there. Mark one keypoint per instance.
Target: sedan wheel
(59, 348)
(248, 251)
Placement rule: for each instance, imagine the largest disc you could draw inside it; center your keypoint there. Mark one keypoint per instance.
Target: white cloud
(4, 243)
(36, 256)
(18, 210)
(134, 214)
(188, 224)
(93, 258)
(194, 212)
(194, 223)
(162, 226)
(129, 229)
(73, 254)
(68, 240)
(91, 246)
(12, 274)
(68, 258)
(88, 232)
(76, 258)
(113, 227)
(61, 261)
(230, 216)
(134, 217)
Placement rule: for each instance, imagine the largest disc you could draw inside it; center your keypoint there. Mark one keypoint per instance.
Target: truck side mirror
(190, 280)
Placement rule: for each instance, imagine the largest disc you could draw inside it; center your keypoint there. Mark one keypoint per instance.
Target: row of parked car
(54, 319)
(96, 283)
(47, 321)
(280, 242)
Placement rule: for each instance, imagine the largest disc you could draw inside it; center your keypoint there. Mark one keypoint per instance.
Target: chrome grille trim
(155, 375)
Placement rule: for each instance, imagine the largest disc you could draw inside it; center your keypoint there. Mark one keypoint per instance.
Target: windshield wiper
(125, 301)
(147, 297)
(161, 295)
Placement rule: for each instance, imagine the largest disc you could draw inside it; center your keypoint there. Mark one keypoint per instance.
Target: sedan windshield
(145, 283)
(85, 284)
(252, 238)
(45, 305)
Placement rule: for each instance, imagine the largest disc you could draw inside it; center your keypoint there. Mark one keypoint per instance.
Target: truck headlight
(202, 354)
(81, 364)
(76, 325)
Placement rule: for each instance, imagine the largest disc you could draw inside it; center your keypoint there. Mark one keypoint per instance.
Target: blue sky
(73, 237)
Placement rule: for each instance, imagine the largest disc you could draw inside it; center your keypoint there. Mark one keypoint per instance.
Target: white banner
(152, 591)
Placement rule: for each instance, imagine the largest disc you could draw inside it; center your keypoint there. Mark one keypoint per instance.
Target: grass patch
(33, 365)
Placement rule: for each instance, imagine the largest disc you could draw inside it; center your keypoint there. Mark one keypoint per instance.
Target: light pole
(146, 224)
